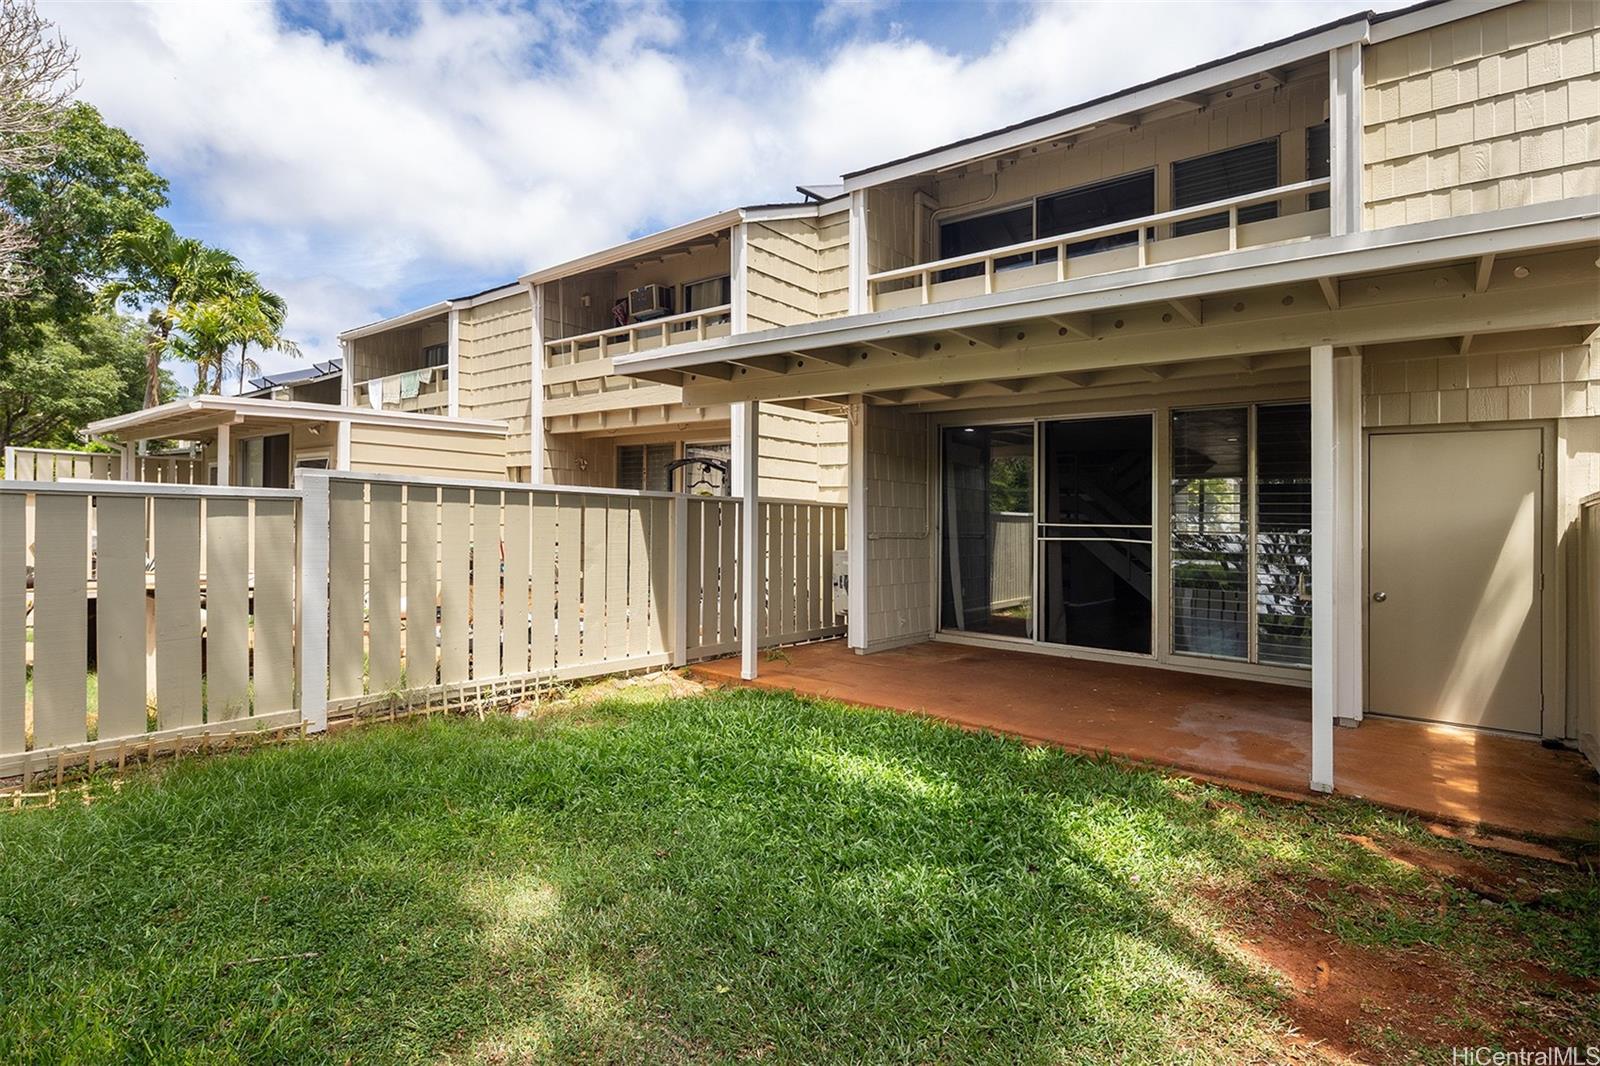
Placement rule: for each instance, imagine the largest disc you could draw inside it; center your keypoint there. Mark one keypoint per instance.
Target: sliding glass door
(987, 583)
(1095, 532)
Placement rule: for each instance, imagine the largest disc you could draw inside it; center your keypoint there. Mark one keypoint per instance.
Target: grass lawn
(744, 874)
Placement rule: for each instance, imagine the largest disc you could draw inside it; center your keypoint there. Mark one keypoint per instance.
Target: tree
(171, 276)
(260, 317)
(36, 83)
(50, 390)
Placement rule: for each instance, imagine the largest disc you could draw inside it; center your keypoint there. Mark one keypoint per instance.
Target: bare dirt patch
(1367, 1003)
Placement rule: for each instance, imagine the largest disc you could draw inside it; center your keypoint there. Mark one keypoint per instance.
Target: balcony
(1146, 241)
(424, 391)
(602, 344)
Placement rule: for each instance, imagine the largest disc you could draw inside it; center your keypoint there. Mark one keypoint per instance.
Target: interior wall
(397, 350)
(1497, 110)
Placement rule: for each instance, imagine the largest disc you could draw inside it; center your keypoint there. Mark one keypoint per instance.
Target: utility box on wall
(841, 583)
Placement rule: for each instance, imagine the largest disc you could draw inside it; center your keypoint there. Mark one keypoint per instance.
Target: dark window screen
(1130, 196)
(982, 232)
(1095, 531)
(1319, 162)
(1234, 172)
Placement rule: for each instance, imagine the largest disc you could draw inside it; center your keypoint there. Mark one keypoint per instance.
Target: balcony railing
(641, 336)
(921, 284)
(424, 391)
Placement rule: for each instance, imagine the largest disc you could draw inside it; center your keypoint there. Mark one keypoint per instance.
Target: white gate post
(312, 639)
(750, 561)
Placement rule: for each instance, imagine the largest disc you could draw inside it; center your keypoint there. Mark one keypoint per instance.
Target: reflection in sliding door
(987, 580)
(1211, 532)
(1095, 532)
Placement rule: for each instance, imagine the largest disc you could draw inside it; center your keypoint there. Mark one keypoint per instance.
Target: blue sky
(369, 158)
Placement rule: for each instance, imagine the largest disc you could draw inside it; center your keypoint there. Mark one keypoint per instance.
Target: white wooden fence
(59, 464)
(137, 615)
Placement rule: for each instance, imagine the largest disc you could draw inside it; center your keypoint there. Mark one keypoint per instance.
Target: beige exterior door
(1453, 630)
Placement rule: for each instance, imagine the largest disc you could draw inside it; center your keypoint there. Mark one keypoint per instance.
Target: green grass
(708, 878)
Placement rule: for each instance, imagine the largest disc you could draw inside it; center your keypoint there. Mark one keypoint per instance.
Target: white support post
(739, 288)
(858, 252)
(738, 434)
(311, 641)
(678, 581)
(128, 462)
(224, 454)
(536, 430)
(1344, 139)
(750, 560)
(856, 527)
(1324, 524)
(347, 384)
(341, 444)
(453, 361)
(1348, 559)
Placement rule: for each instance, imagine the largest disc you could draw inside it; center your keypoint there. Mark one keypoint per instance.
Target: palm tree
(173, 276)
(259, 315)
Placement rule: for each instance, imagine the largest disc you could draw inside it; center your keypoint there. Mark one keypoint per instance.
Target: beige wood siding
(797, 270)
(803, 455)
(495, 368)
(1497, 110)
(427, 453)
(1501, 379)
(899, 469)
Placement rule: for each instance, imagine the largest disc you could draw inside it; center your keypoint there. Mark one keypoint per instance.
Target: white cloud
(477, 142)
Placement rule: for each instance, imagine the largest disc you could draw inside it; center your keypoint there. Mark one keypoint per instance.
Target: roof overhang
(203, 415)
(820, 359)
(410, 318)
(643, 246)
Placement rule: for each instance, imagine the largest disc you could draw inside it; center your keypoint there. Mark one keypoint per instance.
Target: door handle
(1379, 597)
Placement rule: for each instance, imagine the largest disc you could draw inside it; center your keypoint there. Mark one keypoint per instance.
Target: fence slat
(543, 602)
(383, 589)
(569, 591)
(728, 574)
(698, 593)
(805, 610)
(177, 540)
(455, 584)
(515, 610)
(592, 604)
(488, 538)
(422, 593)
(638, 577)
(227, 635)
(346, 591)
(13, 619)
(616, 603)
(60, 621)
(274, 576)
(660, 548)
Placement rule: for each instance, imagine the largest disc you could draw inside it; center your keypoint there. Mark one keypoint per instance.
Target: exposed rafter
(1078, 325)
(982, 336)
(769, 364)
(906, 348)
(1485, 272)
(1464, 345)
(1189, 309)
(1330, 292)
(836, 356)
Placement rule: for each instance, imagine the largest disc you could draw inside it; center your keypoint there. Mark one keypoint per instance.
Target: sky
(371, 158)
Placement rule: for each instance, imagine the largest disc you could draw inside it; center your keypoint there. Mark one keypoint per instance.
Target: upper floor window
(712, 292)
(979, 233)
(1221, 175)
(1088, 206)
(1319, 162)
(436, 355)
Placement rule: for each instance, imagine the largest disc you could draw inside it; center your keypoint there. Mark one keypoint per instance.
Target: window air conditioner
(650, 301)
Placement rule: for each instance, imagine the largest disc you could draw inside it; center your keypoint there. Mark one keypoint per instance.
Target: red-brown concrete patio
(1240, 732)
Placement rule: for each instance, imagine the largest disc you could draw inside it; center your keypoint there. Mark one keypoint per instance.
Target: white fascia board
(1562, 222)
(242, 408)
(812, 210)
(1426, 18)
(621, 253)
(489, 297)
(1162, 92)
(410, 317)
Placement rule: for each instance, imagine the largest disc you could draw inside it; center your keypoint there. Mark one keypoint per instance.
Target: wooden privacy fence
(137, 613)
(465, 586)
(56, 464)
(144, 614)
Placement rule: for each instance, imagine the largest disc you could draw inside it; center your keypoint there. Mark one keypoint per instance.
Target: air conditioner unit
(650, 301)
